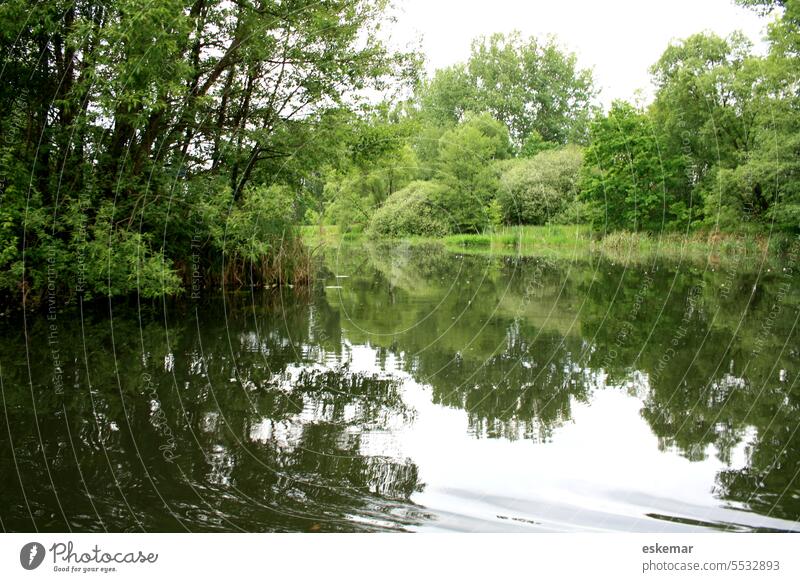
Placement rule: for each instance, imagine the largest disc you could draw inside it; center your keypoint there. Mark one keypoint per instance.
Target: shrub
(255, 236)
(631, 183)
(761, 192)
(537, 190)
(413, 210)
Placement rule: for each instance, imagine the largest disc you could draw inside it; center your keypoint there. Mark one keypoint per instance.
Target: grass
(525, 240)
(470, 240)
(571, 241)
(314, 235)
(693, 246)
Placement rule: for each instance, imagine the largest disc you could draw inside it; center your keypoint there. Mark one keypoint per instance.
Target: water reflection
(415, 388)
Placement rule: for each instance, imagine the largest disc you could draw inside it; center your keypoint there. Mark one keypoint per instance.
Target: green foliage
(534, 144)
(529, 85)
(252, 227)
(763, 6)
(121, 262)
(426, 148)
(414, 210)
(465, 166)
(512, 95)
(706, 104)
(764, 191)
(718, 144)
(536, 190)
(627, 180)
(118, 118)
(255, 234)
(378, 161)
(446, 98)
(351, 197)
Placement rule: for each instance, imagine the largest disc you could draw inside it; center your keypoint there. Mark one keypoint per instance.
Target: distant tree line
(514, 136)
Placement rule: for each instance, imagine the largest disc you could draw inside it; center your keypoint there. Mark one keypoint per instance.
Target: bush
(763, 192)
(84, 252)
(413, 210)
(540, 189)
(254, 237)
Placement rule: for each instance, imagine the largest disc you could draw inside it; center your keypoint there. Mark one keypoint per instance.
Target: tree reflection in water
(291, 412)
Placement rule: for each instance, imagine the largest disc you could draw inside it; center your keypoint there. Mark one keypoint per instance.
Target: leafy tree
(626, 179)
(534, 144)
(530, 86)
(762, 189)
(705, 102)
(465, 166)
(763, 6)
(446, 98)
(352, 197)
(460, 196)
(137, 106)
(378, 159)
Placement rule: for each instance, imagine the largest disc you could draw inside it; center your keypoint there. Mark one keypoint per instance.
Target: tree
(762, 189)
(707, 106)
(530, 86)
(377, 159)
(626, 178)
(140, 106)
(465, 166)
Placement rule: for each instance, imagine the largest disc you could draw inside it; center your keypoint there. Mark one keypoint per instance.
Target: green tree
(529, 85)
(626, 179)
(762, 189)
(706, 100)
(146, 107)
(377, 160)
(465, 166)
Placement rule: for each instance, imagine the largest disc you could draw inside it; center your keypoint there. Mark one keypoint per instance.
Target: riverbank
(572, 241)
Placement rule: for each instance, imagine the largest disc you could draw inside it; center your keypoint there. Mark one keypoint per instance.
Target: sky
(619, 39)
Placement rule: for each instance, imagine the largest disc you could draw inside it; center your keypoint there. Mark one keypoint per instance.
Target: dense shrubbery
(542, 188)
(718, 147)
(629, 182)
(353, 197)
(764, 191)
(460, 194)
(515, 97)
(255, 235)
(414, 210)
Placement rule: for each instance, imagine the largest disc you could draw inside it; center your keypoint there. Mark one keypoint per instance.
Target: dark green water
(416, 389)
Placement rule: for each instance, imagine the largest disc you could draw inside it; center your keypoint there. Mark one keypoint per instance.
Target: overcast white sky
(619, 39)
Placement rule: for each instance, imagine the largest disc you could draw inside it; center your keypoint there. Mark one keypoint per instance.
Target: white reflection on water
(601, 470)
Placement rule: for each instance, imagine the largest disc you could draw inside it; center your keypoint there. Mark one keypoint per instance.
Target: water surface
(415, 388)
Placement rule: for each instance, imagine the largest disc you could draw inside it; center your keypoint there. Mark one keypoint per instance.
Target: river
(415, 388)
